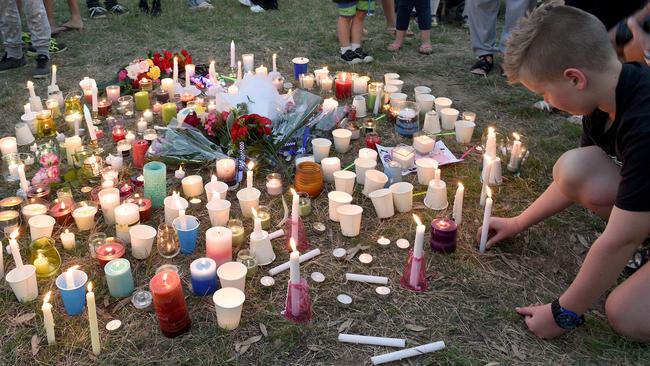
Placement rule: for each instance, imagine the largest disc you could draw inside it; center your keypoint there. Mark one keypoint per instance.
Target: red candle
(126, 190)
(343, 86)
(140, 148)
(61, 210)
(99, 133)
(144, 204)
(103, 107)
(119, 133)
(169, 303)
(112, 248)
(443, 235)
(88, 95)
(372, 139)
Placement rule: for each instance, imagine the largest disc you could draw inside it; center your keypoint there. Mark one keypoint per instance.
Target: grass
(471, 300)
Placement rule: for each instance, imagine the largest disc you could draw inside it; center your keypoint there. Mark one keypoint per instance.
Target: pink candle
(219, 244)
(111, 249)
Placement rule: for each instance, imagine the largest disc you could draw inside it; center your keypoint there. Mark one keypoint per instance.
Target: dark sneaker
(119, 9)
(364, 56)
(97, 12)
(55, 47)
(42, 69)
(8, 63)
(639, 258)
(351, 57)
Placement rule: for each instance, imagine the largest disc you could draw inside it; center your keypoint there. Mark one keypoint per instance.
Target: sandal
(425, 49)
(394, 47)
(483, 66)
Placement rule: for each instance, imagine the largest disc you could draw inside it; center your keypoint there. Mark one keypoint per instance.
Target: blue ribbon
(242, 160)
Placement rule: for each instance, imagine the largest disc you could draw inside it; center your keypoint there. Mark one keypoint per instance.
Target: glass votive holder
(124, 147)
(161, 96)
(264, 214)
(408, 118)
(33, 207)
(112, 121)
(237, 228)
(53, 106)
(371, 140)
(125, 106)
(109, 173)
(10, 163)
(81, 154)
(118, 132)
(95, 240)
(306, 81)
(247, 258)
(92, 166)
(72, 103)
(39, 191)
(44, 256)
(9, 221)
(45, 126)
(274, 184)
(111, 248)
(517, 153)
(304, 204)
(227, 171)
(150, 135)
(113, 93)
(103, 107)
(167, 241)
(404, 155)
(11, 203)
(64, 193)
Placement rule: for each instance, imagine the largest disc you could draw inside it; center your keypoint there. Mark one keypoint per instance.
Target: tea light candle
(486, 221)
(68, 240)
(111, 249)
(61, 211)
(113, 92)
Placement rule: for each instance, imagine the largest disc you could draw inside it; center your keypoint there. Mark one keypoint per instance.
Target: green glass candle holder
(155, 182)
(45, 257)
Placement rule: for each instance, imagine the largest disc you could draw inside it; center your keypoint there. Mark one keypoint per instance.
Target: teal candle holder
(119, 277)
(155, 182)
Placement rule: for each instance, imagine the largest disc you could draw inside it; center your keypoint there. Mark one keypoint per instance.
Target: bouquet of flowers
(154, 66)
(49, 171)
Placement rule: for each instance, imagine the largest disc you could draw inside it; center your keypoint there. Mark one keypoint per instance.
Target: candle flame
(293, 192)
(30, 83)
(460, 185)
(40, 256)
(516, 136)
(67, 231)
(488, 191)
(468, 118)
(62, 205)
(39, 190)
(214, 178)
(292, 244)
(46, 299)
(144, 80)
(90, 286)
(14, 234)
(141, 178)
(251, 165)
(490, 129)
(254, 212)
(417, 220)
(164, 278)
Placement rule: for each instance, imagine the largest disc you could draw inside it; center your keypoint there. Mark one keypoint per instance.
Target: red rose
(168, 55)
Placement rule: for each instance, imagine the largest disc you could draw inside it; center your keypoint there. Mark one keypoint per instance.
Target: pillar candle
(218, 244)
(142, 100)
(94, 104)
(192, 185)
(48, 319)
(169, 303)
(204, 276)
(248, 61)
(295, 214)
(168, 112)
(239, 70)
(155, 182)
(71, 145)
(167, 85)
(262, 71)
(126, 215)
(175, 73)
(92, 320)
(343, 86)
(486, 221)
(24, 184)
(443, 235)
(140, 148)
(119, 277)
(84, 216)
(109, 199)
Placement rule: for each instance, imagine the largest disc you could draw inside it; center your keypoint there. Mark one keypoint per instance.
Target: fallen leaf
(23, 318)
(352, 252)
(345, 326)
(415, 328)
(583, 241)
(243, 349)
(492, 364)
(263, 330)
(35, 344)
(252, 340)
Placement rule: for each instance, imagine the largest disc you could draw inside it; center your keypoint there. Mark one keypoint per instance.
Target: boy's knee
(624, 321)
(568, 171)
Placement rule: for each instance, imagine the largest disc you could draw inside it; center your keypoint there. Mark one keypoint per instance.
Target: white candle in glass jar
(33, 209)
(360, 85)
(192, 186)
(126, 215)
(248, 62)
(326, 84)
(274, 186)
(84, 217)
(423, 144)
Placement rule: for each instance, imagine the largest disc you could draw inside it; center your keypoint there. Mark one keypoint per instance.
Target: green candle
(237, 228)
(142, 100)
(168, 112)
(304, 204)
(265, 217)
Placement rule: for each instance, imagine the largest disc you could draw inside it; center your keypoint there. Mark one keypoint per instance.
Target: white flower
(133, 70)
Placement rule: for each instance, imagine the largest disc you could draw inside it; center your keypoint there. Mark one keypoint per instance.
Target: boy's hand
(540, 321)
(500, 228)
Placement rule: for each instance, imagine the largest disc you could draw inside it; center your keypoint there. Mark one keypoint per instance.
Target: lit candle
(192, 186)
(295, 214)
(42, 265)
(89, 124)
(262, 71)
(84, 217)
(94, 100)
(218, 244)
(211, 71)
(273, 184)
(343, 86)
(179, 173)
(68, 239)
(169, 303)
(109, 199)
(48, 319)
(360, 85)
(513, 163)
(175, 73)
(53, 75)
(458, 204)
(275, 66)
(167, 85)
(491, 143)
(24, 184)
(257, 224)
(423, 144)
(326, 84)
(249, 175)
(126, 216)
(15, 250)
(92, 320)
(69, 277)
(487, 167)
(486, 221)
(418, 252)
(232, 54)
(294, 276)
(147, 115)
(249, 62)
(113, 93)
(129, 137)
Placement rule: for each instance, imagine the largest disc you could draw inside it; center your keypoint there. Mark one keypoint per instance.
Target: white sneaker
(257, 9)
(245, 2)
(204, 6)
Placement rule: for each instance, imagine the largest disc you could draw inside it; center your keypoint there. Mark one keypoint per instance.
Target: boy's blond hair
(554, 38)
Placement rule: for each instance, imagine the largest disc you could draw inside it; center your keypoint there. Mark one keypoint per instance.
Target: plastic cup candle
(68, 240)
(40, 226)
(204, 276)
(216, 189)
(232, 274)
(374, 180)
(361, 166)
(342, 137)
(487, 214)
(448, 117)
(173, 204)
(169, 303)
(368, 153)
(425, 102)
(228, 304)
(219, 243)
(187, 229)
(382, 200)
(219, 211)
(192, 186)
(142, 237)
(330, 165)
(321, 148)
(336, 199)
(72, 286)
(350, 219)
(274, 184)
(443, 235)
(397, 83)
(343, 85)
(360, 85)
(458, 204)
(119, 278)
(426, 168)
(344, 181)
(464, 130)
(402, 196)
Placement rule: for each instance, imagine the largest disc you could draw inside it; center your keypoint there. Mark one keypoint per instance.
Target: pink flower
(121, 75)
(144, 66)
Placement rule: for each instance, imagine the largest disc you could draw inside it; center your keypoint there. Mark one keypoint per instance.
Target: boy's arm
(548, 204)
(606, 258)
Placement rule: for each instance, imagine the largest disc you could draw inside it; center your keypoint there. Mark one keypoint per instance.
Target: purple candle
(443, 235)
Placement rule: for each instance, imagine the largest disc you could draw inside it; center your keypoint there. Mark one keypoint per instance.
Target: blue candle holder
(408, 118)
(74, 296)
(119, 277)
(155, 182)
(300, 66)
(394, 172)
(188, 235)
(204, 276)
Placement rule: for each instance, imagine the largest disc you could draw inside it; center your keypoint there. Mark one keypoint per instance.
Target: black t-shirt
(628, 138)
(608, 11)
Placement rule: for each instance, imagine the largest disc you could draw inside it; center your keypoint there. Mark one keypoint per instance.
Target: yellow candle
(142, 100)
(42, 265)
(168, 112)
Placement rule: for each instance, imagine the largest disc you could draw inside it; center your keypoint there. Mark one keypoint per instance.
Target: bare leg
(343, 31)
(426, 36)
(49, 9)
(357, 27)
(628, 305)
(75, 21)
(389, 13)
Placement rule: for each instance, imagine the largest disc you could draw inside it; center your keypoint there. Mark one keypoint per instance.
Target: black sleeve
(585, 140)
(634, 190)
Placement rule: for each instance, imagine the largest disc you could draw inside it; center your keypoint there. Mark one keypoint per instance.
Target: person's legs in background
(75, 21)
(482, 33)
(10, 27)
(389, 13)
(515, 9)
(434, 12)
